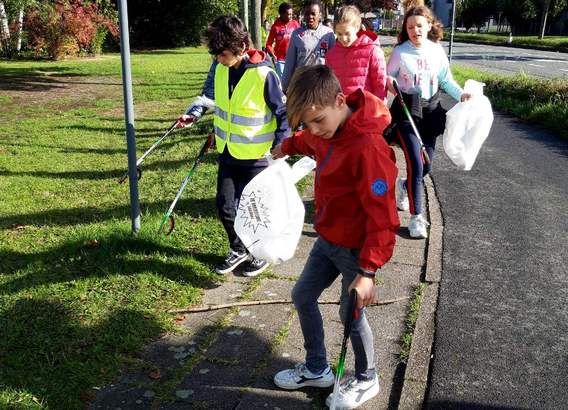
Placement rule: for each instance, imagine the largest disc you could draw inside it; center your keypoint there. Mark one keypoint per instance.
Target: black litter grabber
(168, 217)
(425, 156)
(155, 145)
(352, 314)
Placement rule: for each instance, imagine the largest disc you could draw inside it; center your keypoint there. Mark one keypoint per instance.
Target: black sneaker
(254, 267)
(232, 260)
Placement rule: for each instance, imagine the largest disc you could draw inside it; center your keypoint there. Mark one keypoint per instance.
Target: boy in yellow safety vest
(249, 119)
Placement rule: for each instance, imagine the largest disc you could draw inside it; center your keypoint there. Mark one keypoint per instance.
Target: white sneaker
(402, 195)
(300, 376)
(417, 226)
(352, 393)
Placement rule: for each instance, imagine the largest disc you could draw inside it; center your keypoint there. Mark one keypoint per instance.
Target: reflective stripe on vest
(244, 123)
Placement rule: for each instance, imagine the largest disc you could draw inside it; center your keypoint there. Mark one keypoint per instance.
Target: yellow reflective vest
(244, 123)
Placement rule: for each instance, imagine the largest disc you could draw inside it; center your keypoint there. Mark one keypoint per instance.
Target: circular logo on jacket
(379, 187)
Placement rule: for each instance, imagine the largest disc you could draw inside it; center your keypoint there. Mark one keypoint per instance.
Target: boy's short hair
(309, 3)
(284, 7)
(349, 15)
(311, 86)
(227, 33)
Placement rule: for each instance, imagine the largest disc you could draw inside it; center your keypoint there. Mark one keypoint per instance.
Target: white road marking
(536, 65)
(563, 70)
(551, 61)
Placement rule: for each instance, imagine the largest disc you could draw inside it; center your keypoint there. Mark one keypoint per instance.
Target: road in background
(505, 60)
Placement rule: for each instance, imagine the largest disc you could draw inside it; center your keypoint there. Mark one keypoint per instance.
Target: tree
(474, 13)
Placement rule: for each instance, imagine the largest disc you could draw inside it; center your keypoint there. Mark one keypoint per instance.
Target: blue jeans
(325, 263)
(279, 68)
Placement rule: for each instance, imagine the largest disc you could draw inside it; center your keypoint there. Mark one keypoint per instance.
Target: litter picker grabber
(155, 145)
(425, 155)
(352, 314)
(168, 215)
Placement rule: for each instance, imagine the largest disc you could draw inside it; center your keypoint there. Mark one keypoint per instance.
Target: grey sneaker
(353, 392)
(300, 376)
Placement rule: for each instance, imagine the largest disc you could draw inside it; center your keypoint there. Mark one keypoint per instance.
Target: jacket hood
(366, 37)
(256, 58)
(369, 113)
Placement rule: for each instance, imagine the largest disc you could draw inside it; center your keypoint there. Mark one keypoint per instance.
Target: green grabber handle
(168, 215)
(155, 145)
(425, 155)
(353, 314)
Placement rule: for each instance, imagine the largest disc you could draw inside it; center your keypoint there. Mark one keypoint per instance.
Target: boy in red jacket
(280, 32)
(356, 219)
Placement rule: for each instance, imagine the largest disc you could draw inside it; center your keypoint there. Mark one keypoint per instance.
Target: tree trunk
(244, 12)
(543, 20)
(4, 29)
(255, 24)
(19, 30)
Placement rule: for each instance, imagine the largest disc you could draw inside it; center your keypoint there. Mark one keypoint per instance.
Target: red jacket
(281, 33)
(361, 65)
(355, 181)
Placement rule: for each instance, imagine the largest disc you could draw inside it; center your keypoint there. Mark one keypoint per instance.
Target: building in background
(443, 9)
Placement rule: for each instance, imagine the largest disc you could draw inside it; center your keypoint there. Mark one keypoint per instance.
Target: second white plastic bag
(467, 126)
(270, 216)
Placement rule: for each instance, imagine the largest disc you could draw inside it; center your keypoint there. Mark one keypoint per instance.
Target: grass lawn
(78, 293)
(551, 43)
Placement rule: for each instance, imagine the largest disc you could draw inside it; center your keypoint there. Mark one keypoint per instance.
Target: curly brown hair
(227, 33)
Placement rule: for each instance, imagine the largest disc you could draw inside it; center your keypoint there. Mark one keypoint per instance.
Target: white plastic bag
(270, 216)
(467, 126)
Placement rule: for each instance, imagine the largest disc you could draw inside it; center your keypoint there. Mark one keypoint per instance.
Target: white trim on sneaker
(300, 376)
(353, 392)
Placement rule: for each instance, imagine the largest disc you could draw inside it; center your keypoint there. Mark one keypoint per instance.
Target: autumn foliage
(68, 28)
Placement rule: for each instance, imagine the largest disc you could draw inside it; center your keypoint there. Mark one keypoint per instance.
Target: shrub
(67, 28)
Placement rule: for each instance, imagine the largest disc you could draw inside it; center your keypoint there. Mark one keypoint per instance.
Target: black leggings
(430, 126)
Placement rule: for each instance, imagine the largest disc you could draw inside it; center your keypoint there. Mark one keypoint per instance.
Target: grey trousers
(325, 263)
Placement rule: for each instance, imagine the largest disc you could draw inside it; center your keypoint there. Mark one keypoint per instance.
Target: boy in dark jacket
(249, 119)
(356, 219)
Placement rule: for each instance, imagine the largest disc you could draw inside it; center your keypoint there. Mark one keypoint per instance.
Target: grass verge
(78, 293)
(410, 322)
(549, 43)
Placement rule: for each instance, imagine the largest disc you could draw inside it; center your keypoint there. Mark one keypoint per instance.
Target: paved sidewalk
(227, 358)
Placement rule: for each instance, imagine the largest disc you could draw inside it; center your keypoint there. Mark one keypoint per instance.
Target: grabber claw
(171, 225)
(123, 178)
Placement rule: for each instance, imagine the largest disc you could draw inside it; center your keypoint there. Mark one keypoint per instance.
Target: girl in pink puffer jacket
(357, 59)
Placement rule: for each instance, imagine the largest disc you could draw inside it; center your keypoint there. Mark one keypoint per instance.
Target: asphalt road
(502, 320)
(506, 60)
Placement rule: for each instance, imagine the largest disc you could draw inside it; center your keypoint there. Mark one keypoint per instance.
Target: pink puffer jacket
(362, 65)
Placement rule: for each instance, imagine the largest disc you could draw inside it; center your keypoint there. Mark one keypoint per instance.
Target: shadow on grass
(113, 255)
(24, 79)
(91, 214)
(47, 351)
(162, 165)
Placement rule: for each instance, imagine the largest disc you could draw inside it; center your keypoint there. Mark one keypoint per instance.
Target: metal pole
(452, 30)
(129, 115)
